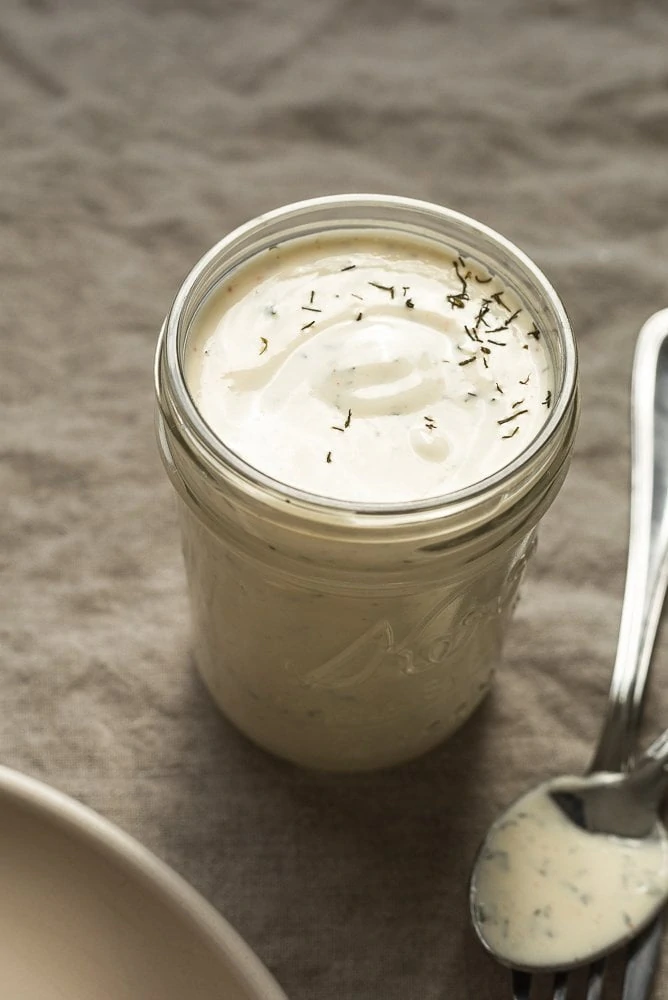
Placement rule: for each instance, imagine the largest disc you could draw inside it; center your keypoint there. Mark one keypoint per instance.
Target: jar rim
(392, 214)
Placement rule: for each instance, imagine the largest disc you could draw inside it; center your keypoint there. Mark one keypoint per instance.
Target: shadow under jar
(348, 635)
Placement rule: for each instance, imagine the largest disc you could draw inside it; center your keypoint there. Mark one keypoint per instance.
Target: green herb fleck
(329, 457)
(535, 333)
(482, 313)
(265, 344)
(482, 281)
(518, 403)
(467, 362)
(497, 343)
(307, 326)
(548, 399)
(346, 425)
(409, 304)
(311, 309)
(349, 267)
(513, 416)
(499, 388)
(504, 326)
(524, 381)
(383, 288)
(312, 296)
(359, 316)
(512, 434)
(499, 301)
(458, 299)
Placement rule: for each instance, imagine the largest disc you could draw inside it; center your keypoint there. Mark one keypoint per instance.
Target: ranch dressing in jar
(369, 368)
(365, 405)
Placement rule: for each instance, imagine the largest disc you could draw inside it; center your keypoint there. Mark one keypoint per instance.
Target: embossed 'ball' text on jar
(340, 635)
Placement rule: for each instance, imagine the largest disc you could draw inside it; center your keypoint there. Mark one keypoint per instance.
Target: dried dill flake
(513, 416)
(383, 288)
(459, 299)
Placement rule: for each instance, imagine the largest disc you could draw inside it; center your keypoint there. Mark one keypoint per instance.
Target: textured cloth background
(133, 136)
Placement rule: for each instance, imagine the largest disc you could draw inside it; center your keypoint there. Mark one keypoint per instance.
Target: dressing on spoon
(547, 894)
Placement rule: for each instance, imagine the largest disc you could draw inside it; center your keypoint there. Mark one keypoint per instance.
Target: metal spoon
(620, 805)
(527, 898)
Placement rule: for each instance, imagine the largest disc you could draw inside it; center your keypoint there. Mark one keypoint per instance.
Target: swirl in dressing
(369, 368)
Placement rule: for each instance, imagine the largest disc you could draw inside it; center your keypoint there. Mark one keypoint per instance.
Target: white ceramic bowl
(86, 913)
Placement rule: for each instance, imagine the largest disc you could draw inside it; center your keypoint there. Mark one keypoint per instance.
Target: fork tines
(628, 974)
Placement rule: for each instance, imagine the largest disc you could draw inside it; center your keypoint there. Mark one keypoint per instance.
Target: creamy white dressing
(369, 368)
(547, 894)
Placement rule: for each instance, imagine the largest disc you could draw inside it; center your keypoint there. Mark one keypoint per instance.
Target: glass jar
(349, 636)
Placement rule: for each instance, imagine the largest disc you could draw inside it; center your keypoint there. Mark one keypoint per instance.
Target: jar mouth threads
(353, 213)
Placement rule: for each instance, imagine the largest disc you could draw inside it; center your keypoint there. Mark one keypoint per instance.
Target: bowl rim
(85, 824)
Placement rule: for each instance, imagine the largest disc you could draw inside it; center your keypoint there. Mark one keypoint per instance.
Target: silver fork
(644, 593)
(634, 978)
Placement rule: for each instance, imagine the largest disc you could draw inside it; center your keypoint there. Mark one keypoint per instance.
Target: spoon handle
(650, 773)
(647, 566)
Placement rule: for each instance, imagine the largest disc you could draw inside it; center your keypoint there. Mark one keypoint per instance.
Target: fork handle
(647, 566)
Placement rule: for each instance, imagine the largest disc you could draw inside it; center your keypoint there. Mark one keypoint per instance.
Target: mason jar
(340, 635)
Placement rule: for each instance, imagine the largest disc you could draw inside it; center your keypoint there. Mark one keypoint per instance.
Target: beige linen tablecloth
(134, 134)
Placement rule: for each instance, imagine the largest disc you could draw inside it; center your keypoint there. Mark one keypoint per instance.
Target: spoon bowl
(560, 878)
